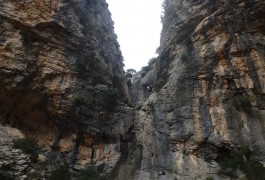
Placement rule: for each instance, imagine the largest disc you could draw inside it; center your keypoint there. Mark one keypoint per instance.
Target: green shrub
(184, 34)
(145, 68)
(87, 174)
(162, 80)
(61, 173)
(254, 170)
(240, 159)
(151, 106)
(187, 55)
(5, 176)
(244, 102)
(112, 92)
(34, 175)
(27, 145)
(152, 61)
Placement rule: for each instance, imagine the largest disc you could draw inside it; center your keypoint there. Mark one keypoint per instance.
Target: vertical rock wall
(209, 98)
(62, 78)
(62, 83)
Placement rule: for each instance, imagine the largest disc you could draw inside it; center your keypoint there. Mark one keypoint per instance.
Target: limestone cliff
(62, 78)
(62, 83)
(210, 85)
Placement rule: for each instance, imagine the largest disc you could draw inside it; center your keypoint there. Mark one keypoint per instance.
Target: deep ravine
(63, 86)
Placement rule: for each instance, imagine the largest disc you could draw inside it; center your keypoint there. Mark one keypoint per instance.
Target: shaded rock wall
(62, 78)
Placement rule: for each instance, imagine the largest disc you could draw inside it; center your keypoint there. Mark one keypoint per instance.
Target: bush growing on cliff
(152, 61)
(162, 80)
(145, 70)
(244, 102)
(61, 173)
(34, 175)
(151, 106)
(5, 176)
(240, 159)
(87, 174)
(28, 146)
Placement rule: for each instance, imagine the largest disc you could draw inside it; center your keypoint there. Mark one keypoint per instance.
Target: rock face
(12, 160)
(62, 78)
(62, 82)
(210, 89)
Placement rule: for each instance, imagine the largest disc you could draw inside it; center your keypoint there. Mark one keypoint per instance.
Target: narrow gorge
(67, 110)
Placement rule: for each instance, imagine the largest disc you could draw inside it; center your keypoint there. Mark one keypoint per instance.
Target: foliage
(151, 106)
(5, 176)
(87, 174)
(62, 172)
(254, 170)
(187, 54)
(244, 102)
(132, 72)
(184, 34)
(209, 178)
(34, 175)
(161, 81)
(27, 145)
(128, 75)
(240, 159)
(145, 68)
(152, 61)
(112, 92)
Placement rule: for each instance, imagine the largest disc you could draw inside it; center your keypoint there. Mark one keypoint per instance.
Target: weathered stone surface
(62, 78)
(62, 82)
(210, 89)
(13, 162)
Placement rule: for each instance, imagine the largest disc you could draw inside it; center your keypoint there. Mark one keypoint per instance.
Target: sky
(138, 26)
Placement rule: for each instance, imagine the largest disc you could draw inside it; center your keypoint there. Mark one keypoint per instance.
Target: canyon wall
(209, 90)
(63, 84)
(62, 79)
